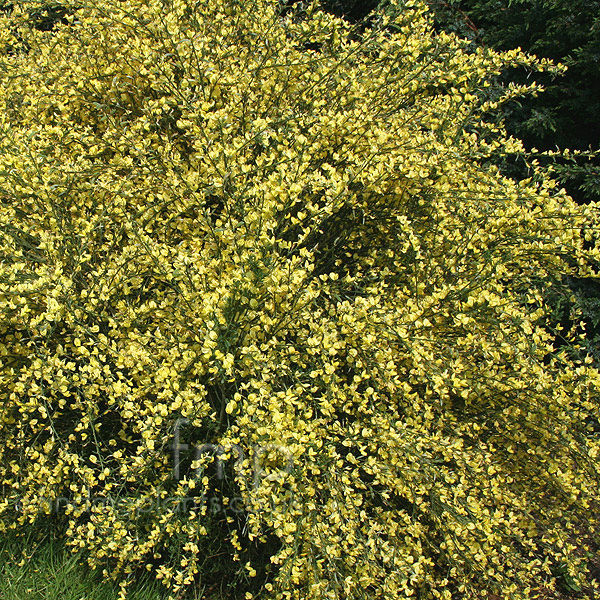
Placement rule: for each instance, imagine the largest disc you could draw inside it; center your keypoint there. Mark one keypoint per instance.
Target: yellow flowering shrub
(270, 318)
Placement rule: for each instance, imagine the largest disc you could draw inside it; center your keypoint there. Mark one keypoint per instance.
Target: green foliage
(565, 115)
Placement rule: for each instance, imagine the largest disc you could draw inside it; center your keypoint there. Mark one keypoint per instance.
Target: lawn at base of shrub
(43, 569)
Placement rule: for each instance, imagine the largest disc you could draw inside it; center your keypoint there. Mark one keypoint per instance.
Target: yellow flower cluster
(269, 312)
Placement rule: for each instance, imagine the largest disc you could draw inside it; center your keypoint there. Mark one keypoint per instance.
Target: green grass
(52, 573)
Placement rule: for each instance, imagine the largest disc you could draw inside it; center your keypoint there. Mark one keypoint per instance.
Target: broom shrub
(271, 322)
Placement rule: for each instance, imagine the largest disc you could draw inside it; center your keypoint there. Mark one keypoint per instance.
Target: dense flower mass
(271, 317)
